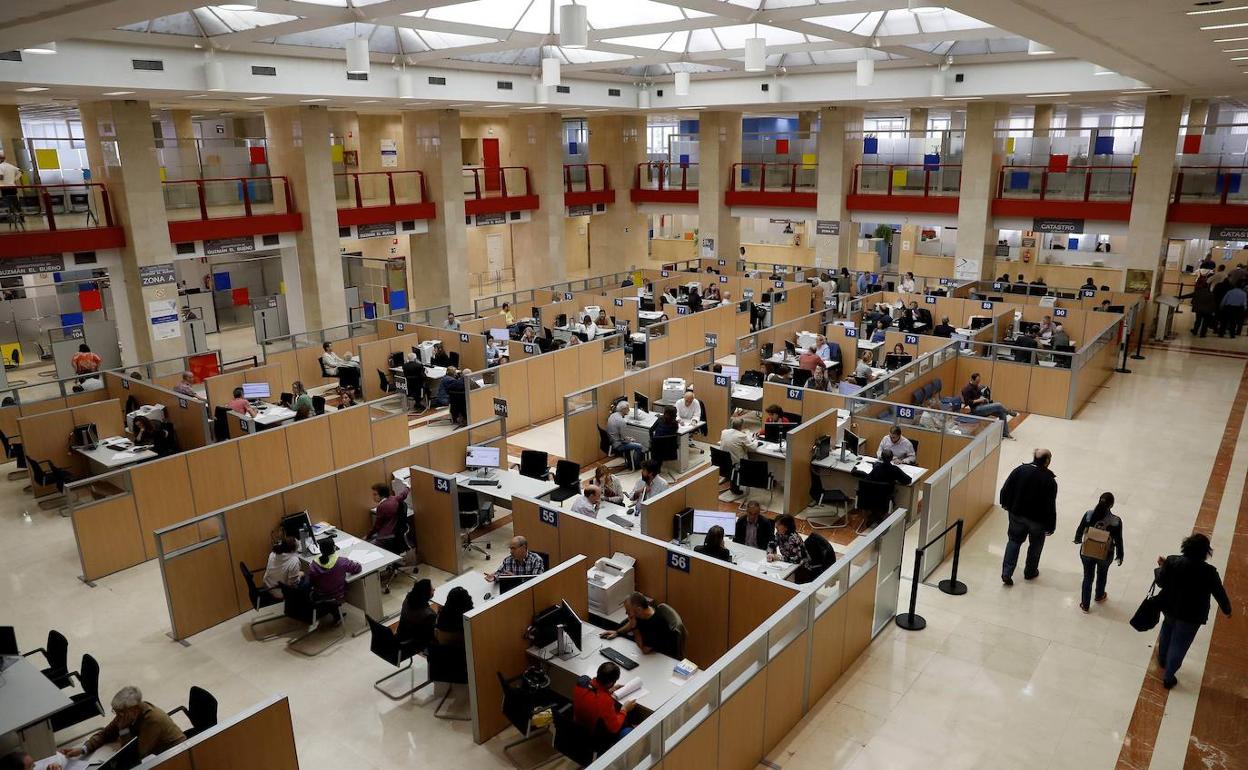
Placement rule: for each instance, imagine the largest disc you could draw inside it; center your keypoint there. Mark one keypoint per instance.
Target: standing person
(84, 361)
(1204, 306)
(1231, 310)
(389, 506)
(1100, 535)
(1030, 497)
(1187, 582)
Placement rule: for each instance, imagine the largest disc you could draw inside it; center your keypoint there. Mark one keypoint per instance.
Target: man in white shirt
(621, 446)
(587, 502)
(650, 485)
(688, 409)
(452, 322)
(492, 353)
(346, 370)
(899, 445)
(10, 178)
(738, 444)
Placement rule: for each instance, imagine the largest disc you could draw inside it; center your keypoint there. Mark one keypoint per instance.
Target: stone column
(719, 146)
(617, 238)
(806, 121)
(298, 141)
(122, 153)
(1043, 120)
(840, 149)
(1197, 116)
(1146, 230)
(981, 163)
(11, 135)
(1074, 121)
(537, 144)
(917, 125)
(438, 267)
(183, 126)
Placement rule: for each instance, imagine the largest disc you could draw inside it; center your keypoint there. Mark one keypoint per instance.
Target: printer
(153, 412)
(426, 351)
(673, 389)
(611, 580)
(805, 340)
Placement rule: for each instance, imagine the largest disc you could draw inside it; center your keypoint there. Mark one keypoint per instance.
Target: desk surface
(753, 559)
(510, 484)
(865, 344)
(833, 462)
(473, 582)
(271, 414)
(654, 670)
(747, 392)
(111, 457)
(26, 696)
(431, 372)
(647, 419)
(372, 558)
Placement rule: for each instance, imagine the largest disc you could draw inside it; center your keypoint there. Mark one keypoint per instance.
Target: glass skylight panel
(603, 14)
(497, 13)
(652, 42)
(859, 23)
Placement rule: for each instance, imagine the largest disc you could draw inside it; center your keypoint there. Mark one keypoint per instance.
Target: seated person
(621, 444)
(608, 485)
(777, 373)
(907, 284)
(976, 402)
(529, 335)
(688, 408)
(301, 397)
(879, 334)
(651, 484)
(145, 431)
(655, 627)
(712, 293)
(452, 322)
(239, 404)
(84, 361)
(944, 329)
(440, 357)
(1025, 340)
(587, 327)
(820, 380)
(906, 322)
(1090, 284)
(152, 726)
(886, 470)
(302, 412)
(327, 575)
(863, 371)
(387, 517)
(285, 569)
(754, 529)
(921, 314)
(20, 760)
(448, 631)
(594, 707)
(787, 545)
(666, 425)
(713, 546)
(520, 561)
(898, 446)
(1046, 328)
(738, 444)
(827, 351)
(602, 322)
(346, 370)
(493, 355)
(586, 503)
(1060, 338)
(1104, 308)
(694, 300)
(899, 349)
(417, 619)
(186, 386)
(773, 413)
(443, 396)
(809, 359)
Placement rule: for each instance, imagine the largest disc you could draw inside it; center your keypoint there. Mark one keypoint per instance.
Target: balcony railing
(56, 206)
(908, 179)
(661, 175)
(1076, 183)
(786, 185)
(367, 189)
(227, 197)
(1211, 185)
(586, 184)
(498, 189)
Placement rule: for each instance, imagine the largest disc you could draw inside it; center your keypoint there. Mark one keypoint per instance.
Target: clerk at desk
(655, 627)
(651, 484)
(688, 408)
(754, 529)
(898, 446)
(240, 404)
(886, 471)
(521, 561)
(587, 502)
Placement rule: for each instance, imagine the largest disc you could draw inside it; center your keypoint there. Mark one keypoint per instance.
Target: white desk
(833, 473)
(363, 589)
(113, 453)
(792, 363)
(27, 700)
(654, 670)
(268, 415)
(747, 396)
(753, 559)
(647, 317)
(871, 347)
(637, 428)
(510, 483)
(473, 582)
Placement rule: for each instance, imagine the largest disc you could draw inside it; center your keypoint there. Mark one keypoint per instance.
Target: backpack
(1098, 544)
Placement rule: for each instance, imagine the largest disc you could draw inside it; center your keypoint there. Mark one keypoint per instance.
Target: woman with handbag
(1187, 582)
(1100, 540)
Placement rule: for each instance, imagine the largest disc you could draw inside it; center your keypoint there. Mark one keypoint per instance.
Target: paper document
(363, 556)
(631, 690)
(122, 456)
(57, 759)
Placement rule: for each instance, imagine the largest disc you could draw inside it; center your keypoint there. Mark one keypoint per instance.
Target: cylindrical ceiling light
(42, 48)
(550, 72)
(755, 54)
(682, 83)
(866, 72)
(1037, 49)
(214, 74)
(643, 99)
(357, 56)
(573, 26)
(923, 6)
(938, 84)
(406, 89)
(244, 5)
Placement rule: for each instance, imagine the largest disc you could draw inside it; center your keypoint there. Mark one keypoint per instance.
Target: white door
(494, 252)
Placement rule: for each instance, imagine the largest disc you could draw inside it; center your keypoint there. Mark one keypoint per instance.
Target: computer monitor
(897, 360)
(846, 388)
(125, 758)
(295, 524)
(776, 431)
(502, 335)
(682, 291)
(851, 443)
(823, 448)
(507, 582)
(256, 391)
(1117, 309)
(682, 525)
(86, 435)
(482, 457)
(8, 641)
(704, 520)
(641, 404)
(545, 626)
(980, 321)
(779, 297)
(766, 349)
(1032, 327)
(561, 320)
(733, 373)
(535, 313)
(790, 348)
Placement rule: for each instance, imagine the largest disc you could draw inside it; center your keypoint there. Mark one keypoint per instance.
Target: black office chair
(545, 557)
(415, 385)
(821, 557)
(458, 407)
(751, 377)
(474, 513)
(383, 382)
(287, 400)
(704, 428)
(384, 643)
(324, 369)
(820, 495)
(48, 475)
(665, 449)
(534, 464)
(801, 377)
(454, 357)
(16, 451)
(400, 542)
(55, 653)
(220, 423)
(1063, 362)
(298, 604)
(83, 705)
(259, 600)
(522, 702)
(568, 477)
(574, 741)
(875, 499)
(754, 474)
(448, 664)
(318, 405)
(200, 709)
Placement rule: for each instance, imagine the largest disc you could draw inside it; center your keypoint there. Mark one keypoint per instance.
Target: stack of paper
(631, 690)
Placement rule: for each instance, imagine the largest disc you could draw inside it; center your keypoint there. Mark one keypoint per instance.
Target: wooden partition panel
(319, 498)
(265, 462)
(1048, 392)
(436, 521)
(162, 496)
(829, 639)
(251, 526)
(389, 432)
(220, 388)
(698, 750)
(200, 585)
(355, 498)
(265, 739)
(799, 452)
(311, 452)
(448, 454)
(577, 535)
(216, 477)
(497, 647)
(859, 616)
(541, 536)
(46, 438)
(741, 720)
(581, 443)
(112, 525)
(651, 568)
(706, 619)
(566, 582)
(715, 401)
(753, 599)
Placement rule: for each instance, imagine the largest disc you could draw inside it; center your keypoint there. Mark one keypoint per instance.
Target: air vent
(357, 76)
(84, 258)
(766, 86)
(10, 55)
(515, 216)
(184, 248)
(407, 225)
(613, 92)
(149, 65)
(600, 207)
(436, 81)
(272, 239)
(504, 85)
(658, 92)
(344, 232)
(266, 71)
(958, 78)
(563, 89)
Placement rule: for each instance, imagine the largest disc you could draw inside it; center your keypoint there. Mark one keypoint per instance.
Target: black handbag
(1148, 615)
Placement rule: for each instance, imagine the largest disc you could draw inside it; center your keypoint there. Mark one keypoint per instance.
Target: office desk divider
(749, 345)
(736, 711)
(158, 493)
(210, 546)
(587, 409)
(799, 451)
(698, 490)
(220, 388)
(375, 355)
(47, 437)
(260, 736)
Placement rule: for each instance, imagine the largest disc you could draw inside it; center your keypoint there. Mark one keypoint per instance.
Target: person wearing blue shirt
(862, 284)
(827, 351)
(879, 334)
(1234, 302)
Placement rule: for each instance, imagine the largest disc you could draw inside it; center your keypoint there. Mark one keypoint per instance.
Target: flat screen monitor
(125, 758)
(851, 442)
(776, 431)
(535, 313)
(253, 391)
(733, 373)
(502, 335)
(294, 524)
(704, 520)
(897, 360)
(640, 403)
(1029, 327)
(823, 448)
(561, 320)
(86, 435)
(766, 349)
(8, 641)
(846, 388)
(1117, 309)
(682, 291)
(779, 297)
(790, 348)
(482, 457)
(545, 626)
(507, 582)
(980, 321)
(682, 525)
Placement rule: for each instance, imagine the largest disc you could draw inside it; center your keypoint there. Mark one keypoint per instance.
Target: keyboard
(483, 482)
(620, 520)
(618, 658)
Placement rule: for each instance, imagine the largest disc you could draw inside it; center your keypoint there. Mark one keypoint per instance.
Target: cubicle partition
(160, 372)
(260, 736)
(190, 417)
(47, 438)
(220, 389)
(400, 337)
(698, 490)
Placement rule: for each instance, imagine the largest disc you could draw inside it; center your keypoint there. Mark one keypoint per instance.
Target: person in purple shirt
(328, 577)
(388, 506)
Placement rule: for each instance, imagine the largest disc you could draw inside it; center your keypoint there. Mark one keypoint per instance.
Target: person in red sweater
(593, 702)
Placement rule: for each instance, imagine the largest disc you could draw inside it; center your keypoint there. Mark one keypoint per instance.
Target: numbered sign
(905, 412)
(912, 339)
(441, 485)
(777, 284)
(664, 273)
(463, 338)
(548, 516)
(795, 394)
(244, 425)
(622, 328)
(944, 281)
(500, 407)
(851, 332)
(710, 339)
(682, 310)
(1060, 312)
(530, 348)
(985, 306)
(1087, 292)
(721, 262)
(997, 286)
(617, 302)
(399, 327)
(748, 294)
(678, 560)
(929, 299)
(125, 383)
(722, 380)
(567, 295)
(723, 279)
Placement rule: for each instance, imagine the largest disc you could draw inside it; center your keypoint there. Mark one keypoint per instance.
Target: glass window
(657, 137)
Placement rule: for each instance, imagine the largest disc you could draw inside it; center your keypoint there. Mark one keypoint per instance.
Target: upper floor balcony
(924, 187)
(1212, 195)
(781, 185)
(498, 189)
(55, 218)
(205, 209)
(665, 182)
(1101, 192)
(374, 197)
(586, 184)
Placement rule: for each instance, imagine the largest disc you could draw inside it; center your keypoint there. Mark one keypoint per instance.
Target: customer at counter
(520, 561)
(754, 529)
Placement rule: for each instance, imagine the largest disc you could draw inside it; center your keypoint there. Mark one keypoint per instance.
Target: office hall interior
(641, 384)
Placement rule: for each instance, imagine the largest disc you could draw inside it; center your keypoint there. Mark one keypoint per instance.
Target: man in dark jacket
(1187, 582)
(754, 529)
(1030, 497)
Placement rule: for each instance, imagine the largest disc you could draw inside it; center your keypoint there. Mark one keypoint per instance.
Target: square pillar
(1146, 230)
(617, 238)
(840, 150)
(917, 125)
(537, 144)
(1042, 123)
(981, 163)
(438, 265)
(719, 146)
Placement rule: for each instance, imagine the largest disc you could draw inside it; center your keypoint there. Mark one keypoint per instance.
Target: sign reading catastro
(1046, 225)
(1228, 233)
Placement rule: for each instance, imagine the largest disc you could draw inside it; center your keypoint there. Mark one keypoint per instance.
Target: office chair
(723, 461)
(51, 476)
(534, 464)
(56, 654)
(318, 405)
(220, 423)
(16, 451)
(383, 382)
(384, 643)
(83, 705)
(822, 557)
(574, 741)
(259, 600)
(448, 664)
(298, 604)
(801, 377)
(822, 496)
(397, 543)
(415, 384)
(753, 474)
(665, 449)
(522, 702)
(604, 445)
(132, 404)
(752, 377)
(325, 369)
(458, 407)
(201, 709)
(473, 514)
(454, 356)
(568, 477)
(875, 499)
(286, 399)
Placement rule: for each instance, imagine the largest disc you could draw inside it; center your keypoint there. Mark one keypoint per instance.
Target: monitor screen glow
(482, 457)
(255, 390)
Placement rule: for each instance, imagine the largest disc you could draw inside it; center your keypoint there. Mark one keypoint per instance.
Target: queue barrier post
(912, 620)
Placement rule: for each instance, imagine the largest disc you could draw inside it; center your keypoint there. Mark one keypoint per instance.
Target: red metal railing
(1210, 185)
(1116, 183)
(21, 204)
(663, 175)
(774, 177)
(497, 182)
(364, 189)
(585, 177)
(226, 194)
(938, 180)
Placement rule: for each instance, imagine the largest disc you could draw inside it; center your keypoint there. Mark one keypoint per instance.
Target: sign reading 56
(677, 560)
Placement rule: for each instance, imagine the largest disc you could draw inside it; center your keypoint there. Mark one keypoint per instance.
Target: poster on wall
(708, 247)
(389, 153)
(966, 269)
(163, 314)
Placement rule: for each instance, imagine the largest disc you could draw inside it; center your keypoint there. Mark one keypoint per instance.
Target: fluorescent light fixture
(550, 72)
(597, 109)
(495, 106)
(865, 73)
(573, 26)
(691, 108)
(1226, 26)
(1233, 50)
(256, 98)
(923, 6)
(357, 56)
(414, 104)
(116, 93)
(1230, 39)
(682, 83)
(885, 101)
(245, 5)
(311, 101)
(534, 107)
(1218, 10)
(32, 89)
(1038, 49)
(370, 101)
(1045, 96)
(961, 98)
(1239, 58)
(42, 48)
(198, 96)
(755, 54)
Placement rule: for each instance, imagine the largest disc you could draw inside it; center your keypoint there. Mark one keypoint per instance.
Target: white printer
(153, 412)
(805, 340)
(673, 388)
(610, 582)
(426, 351)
